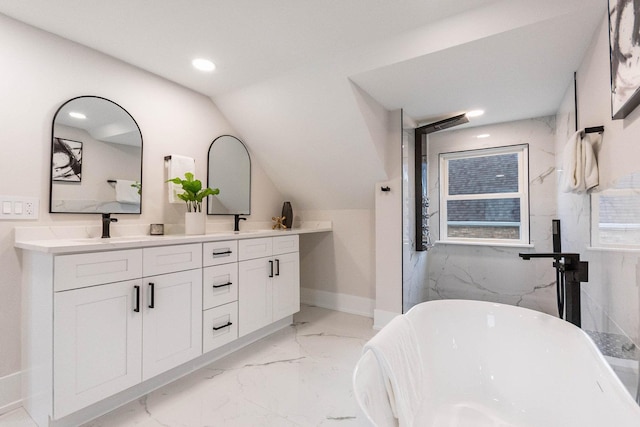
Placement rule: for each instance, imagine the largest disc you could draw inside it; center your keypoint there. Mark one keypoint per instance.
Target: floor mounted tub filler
(478, 364)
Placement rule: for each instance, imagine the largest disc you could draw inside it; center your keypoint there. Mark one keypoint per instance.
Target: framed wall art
(624, 42)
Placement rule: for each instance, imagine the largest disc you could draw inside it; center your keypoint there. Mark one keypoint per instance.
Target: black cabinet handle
(277, 267)
(152, 295)
(223, 285)
(137, 308)
(223, 326)
(221, 253)
(270, 268)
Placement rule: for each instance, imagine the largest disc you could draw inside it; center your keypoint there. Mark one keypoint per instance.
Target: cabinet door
(286, 286)
(254, 294)
(97, 344)
(172, 326)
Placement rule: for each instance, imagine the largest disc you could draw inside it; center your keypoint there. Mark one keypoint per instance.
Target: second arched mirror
(229, 169)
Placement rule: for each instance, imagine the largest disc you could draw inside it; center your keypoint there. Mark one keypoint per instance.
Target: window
(484, 196)
(615, 215)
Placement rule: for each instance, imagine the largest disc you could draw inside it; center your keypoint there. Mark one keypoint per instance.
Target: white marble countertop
(78, 239)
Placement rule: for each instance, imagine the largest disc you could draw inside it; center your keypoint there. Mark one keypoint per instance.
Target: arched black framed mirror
(96, 158)
(229, 169)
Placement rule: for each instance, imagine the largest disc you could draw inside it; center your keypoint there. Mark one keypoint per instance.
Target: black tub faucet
(106, 224)
(570, 272)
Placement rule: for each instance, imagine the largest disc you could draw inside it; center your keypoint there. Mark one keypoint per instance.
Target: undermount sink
(249, 231)
(121, 239)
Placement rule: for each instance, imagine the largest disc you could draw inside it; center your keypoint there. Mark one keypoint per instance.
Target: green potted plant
(193, 194)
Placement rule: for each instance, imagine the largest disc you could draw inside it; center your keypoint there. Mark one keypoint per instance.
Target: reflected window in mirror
(96, 158)
(229, 169)
(615, 214)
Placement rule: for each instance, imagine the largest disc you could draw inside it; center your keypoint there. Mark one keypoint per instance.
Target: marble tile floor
(299, 376)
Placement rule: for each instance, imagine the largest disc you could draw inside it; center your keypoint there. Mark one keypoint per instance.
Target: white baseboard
(381, 318)
(338, 302)
(10, 392)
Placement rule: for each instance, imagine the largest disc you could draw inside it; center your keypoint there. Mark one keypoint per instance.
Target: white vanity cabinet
(105, 322)
(111, 336)
(269, 281)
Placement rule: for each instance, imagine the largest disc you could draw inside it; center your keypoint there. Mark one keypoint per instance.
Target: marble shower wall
(610, 299)
(496, 273)
(414, 264)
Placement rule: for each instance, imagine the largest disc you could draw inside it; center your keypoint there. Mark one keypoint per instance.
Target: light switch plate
(18, 207)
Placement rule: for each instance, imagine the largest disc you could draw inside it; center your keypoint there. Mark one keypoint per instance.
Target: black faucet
(106, 223)
(570, 271)
(236, 222)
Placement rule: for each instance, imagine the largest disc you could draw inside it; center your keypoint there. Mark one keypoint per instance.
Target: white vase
(194, 223)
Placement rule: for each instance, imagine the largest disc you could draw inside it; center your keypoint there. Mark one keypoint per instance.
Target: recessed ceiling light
(203, 64)
(76, 115)
(475, 113)
(484, 135)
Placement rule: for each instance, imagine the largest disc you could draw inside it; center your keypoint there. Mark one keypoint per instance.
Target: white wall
(611, 300)
(40, 72)
(495, 273)
(337, 269)
(389, 228)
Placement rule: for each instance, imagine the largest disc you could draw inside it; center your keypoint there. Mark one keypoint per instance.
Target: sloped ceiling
(307, 85)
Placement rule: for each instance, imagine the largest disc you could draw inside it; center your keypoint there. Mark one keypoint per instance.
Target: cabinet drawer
(285, 244)
(80, 270)
(219, 285)
(216, 253)
(255, 248)
(219, 326)
(168, 259)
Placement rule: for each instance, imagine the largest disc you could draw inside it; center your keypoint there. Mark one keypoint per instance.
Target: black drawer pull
(222, 327)
(277, 267)
(223, 285)
(221, 253)
(152, 295)
(137, 309)
(270, 268)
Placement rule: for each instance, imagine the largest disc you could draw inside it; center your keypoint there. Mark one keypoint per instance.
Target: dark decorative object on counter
(287, 212)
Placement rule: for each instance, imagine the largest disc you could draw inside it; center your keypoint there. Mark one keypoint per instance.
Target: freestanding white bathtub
(475, 364)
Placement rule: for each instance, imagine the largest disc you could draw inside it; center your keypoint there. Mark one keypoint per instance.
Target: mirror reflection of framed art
(66, 160)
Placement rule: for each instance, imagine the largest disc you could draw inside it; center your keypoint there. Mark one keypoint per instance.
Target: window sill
(502, 245)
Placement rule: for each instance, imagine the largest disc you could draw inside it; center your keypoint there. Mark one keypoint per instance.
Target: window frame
(522, 152)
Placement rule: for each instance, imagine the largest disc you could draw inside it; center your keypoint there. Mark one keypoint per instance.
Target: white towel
(579, 165)
(177, 166)
(125, 193)
(396, 350)
(370, 392)
(591, 173)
